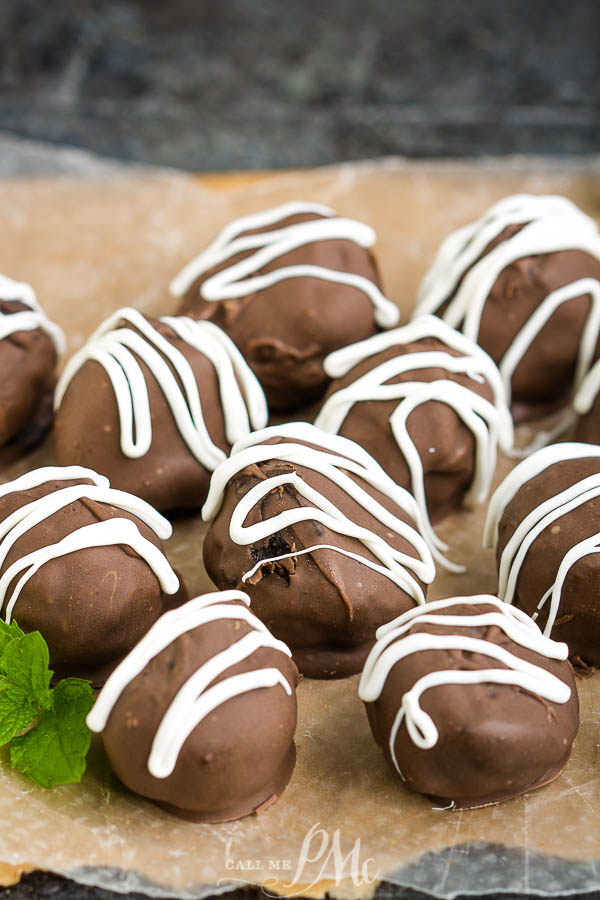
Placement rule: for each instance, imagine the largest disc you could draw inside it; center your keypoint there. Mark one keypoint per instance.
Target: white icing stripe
(540, 518)
(239, 280)
(114, 349)
(33, 319)
(551, 224)
(587, 392)
(461, 249)
(531, 467)
(406, 583)
(100, 534)
(343, 456)
(394, 644)
(587, 547)
(36, 477)
(196, 698)
(589, 336)
(107, 533)
(489, 423)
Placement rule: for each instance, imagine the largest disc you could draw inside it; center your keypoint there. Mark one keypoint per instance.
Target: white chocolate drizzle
(551, 224)
(394, 642)
(32, 319)
(333, 456)
(541, 517)
(239, 280)
(196, 699)
(110, 532)
(489, 423)
(116, 348)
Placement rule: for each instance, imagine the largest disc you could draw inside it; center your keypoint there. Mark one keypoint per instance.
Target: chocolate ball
(543, 521)
(288, 285)
(84, 565)
(469, 702)
(429, 405)
(518, 282)
(325, 543)
(155, 405)
(29, 348)
(200, 716)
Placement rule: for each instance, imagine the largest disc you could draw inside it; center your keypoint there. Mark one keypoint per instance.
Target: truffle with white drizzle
(155, 405)
(469, 702)
(524, 282)
(544, 522)
(430, 406)
(326, 544)
(289, 285)
(200, 716)
(84, 564)
(30, 345)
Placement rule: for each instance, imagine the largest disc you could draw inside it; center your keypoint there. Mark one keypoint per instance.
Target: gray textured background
(220, 84)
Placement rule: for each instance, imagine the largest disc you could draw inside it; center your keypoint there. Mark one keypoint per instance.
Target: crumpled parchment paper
(345, 822)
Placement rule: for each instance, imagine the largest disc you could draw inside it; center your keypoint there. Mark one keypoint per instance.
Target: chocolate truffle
(200, 716)
(155, 405)
(289, 285)
(29, 347)
(469, 702)
(83, 564)
(519, 282)
(429, 405)
(325, 543)
(543, 520)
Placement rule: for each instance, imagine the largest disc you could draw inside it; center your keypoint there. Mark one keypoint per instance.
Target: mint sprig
(44, 726)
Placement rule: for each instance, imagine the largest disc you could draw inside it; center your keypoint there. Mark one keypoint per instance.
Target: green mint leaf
(54, 751)
(24, 663)
(17, 711)
(8, 633)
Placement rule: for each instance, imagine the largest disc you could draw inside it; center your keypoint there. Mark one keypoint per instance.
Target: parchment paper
(89, 247)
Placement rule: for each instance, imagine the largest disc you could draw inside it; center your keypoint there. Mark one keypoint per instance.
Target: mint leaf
(17, 711)
(24, 663)
(54, 751)
(8, 633)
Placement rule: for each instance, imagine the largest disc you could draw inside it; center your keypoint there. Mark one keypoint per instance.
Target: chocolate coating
(543, 378)
(325, 605)
(88, 431)
(578, 617)
(513, 299)
(446, 446)
(27, 364)
(285, 331)
(495, 741)
(91, 605)
(236, 761)
(587, 428)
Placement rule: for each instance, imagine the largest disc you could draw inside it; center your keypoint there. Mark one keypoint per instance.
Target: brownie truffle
(519, 282)
(469, 702)
(83, 564)
(289, 285)
(155, 405)
(543, 521)
(29, 347)
(325, 543)
(429, 405)
(200, 716)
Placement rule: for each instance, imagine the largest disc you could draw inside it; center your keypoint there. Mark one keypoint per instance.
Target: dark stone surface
(223, 84)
